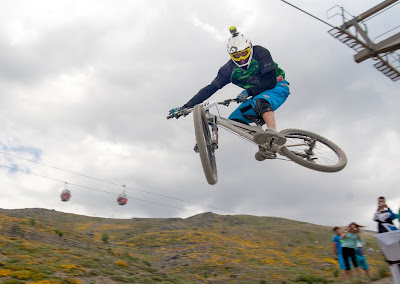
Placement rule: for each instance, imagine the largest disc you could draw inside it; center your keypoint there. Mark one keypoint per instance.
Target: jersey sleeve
(264, 58)
(224, 75)
(223, 78)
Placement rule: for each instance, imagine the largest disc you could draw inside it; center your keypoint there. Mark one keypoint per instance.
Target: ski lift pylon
(66, 194)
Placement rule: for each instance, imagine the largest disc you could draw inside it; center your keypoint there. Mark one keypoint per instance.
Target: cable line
(115, 184)
(96, 189)
(326, 23)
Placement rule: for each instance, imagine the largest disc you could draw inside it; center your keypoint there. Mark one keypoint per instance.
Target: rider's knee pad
(261, 106)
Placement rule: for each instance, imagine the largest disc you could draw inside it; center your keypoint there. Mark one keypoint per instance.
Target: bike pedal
(273, 141)
(264, 155)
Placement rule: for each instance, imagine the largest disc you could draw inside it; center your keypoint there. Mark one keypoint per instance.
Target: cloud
(86, 87)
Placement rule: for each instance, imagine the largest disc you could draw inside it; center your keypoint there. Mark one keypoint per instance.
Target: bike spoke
(312, 151)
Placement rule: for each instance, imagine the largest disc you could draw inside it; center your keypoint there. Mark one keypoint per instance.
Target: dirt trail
(388, 280)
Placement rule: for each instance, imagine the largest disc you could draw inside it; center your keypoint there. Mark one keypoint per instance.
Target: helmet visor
(244, 54)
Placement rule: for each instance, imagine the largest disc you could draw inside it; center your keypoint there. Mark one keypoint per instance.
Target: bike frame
(243, 130)
(246, 131)
(328, 157)
(237, 127)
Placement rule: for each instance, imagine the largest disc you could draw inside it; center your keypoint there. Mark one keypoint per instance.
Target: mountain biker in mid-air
(265, 88)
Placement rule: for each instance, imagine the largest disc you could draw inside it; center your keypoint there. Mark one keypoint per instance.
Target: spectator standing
(337, 249)
(384, 216)
(349, 245)
(361, 259)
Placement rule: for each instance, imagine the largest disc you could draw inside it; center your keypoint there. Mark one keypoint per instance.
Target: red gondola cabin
(65, 195)
(122, 199)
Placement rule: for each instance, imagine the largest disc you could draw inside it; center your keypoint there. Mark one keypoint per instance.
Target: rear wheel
(206, 150)
(313, 151)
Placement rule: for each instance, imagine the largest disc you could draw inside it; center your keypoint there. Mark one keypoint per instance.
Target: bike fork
(214, 138)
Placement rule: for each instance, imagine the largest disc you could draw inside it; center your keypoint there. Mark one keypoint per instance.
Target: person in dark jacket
(384, 216)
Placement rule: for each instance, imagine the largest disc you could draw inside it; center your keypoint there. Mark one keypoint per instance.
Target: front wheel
(312, 151)
(204, 144)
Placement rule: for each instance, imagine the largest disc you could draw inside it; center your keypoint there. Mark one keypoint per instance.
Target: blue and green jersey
(261, 75)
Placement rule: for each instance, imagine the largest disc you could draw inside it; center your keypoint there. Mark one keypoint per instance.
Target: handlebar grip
(174, 115)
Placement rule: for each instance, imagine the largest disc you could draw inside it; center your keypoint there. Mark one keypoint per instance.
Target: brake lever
(226, 102)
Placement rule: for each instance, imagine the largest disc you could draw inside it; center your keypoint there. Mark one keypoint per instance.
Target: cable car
(65, 194)
(122, 198)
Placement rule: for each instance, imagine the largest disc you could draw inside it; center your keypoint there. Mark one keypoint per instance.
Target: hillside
(45, 246)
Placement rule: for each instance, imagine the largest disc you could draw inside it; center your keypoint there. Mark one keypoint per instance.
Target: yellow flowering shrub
(68, 266)
(46, 282)
(5, 272)
(73, 281)
(22, 275)
(121, 263)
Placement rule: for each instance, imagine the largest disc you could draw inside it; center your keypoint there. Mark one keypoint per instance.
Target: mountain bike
(302, 147)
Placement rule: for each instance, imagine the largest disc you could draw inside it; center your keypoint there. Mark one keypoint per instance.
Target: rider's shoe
(262, 137)
(262, 155)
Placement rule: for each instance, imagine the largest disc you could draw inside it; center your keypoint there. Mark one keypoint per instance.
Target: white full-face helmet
(239, 48)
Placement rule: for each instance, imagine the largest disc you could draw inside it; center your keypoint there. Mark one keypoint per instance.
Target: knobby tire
(203, 138)
(291, 154)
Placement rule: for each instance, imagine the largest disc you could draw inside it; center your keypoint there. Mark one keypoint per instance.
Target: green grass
(203, 248)
(311, 279)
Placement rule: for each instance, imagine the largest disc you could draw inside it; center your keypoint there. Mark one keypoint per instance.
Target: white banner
(390, 246)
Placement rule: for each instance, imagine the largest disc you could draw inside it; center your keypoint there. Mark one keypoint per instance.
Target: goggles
(244, 54)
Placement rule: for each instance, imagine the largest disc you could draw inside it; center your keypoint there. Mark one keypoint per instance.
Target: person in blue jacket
(337, 249)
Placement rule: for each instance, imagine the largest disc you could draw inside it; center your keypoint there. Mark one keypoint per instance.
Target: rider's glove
(242, 97)
(174, 112)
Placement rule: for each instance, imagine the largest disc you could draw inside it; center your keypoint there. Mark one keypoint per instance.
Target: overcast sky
(85, 86)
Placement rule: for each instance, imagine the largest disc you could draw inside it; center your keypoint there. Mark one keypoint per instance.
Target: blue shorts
(276, 97)
(362, 262)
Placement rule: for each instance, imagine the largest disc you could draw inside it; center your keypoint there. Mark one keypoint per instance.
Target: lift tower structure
(355, 36)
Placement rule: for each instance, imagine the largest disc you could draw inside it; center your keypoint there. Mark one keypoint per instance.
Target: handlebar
(186, 111)
(183, 112)
(227, 102)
